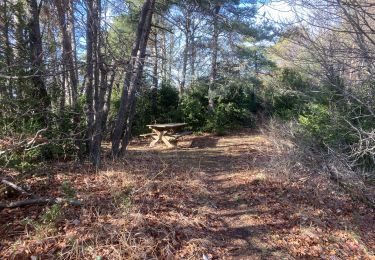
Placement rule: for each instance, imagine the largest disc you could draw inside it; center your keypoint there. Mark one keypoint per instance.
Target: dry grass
(214, 196)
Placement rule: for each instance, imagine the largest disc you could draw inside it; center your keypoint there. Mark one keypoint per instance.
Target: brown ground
(212, 198)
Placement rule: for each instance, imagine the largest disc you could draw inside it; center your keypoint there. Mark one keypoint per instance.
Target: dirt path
(251, 213)
(212, 198)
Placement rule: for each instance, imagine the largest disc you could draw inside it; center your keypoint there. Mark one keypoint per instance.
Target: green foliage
(194, 105)
(123, 199)
(68, 190)
(234, 102)
(321, 122)
(285, 94)
(121, 34)
(167, 104)
(226, 116)
(52, 143)
(52, 214)
(167, 107)
(323, 115)
(143, 114)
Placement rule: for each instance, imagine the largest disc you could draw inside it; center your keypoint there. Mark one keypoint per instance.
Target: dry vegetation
(214, 197)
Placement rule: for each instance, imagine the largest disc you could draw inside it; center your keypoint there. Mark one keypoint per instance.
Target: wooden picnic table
(166, 133)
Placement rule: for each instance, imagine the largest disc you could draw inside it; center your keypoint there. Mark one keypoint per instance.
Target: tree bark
(133, 77)
(186, 51)
(154, 90)
(39, 201)
(214, 46)
(107, 104)
(170, 60)
(68, 52)
(71, 34)
(89, 75)
(35, 40)
(7, 48)
(20, 47)
(164, 72)
(193, 48)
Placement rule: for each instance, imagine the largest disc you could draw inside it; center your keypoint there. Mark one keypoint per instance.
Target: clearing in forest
(212, 198)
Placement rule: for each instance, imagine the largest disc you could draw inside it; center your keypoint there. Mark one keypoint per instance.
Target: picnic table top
(167, 126)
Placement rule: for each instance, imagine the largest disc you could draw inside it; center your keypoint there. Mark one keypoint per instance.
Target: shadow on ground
(214, 197)
(246, 214)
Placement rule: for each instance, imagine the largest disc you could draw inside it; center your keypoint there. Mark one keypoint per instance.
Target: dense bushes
(25, 143)
(286, 93)
(234, 101)
(323, 115)
(166, 110)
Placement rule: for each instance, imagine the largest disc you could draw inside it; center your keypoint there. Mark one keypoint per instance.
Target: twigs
(35, 200)
(17, 188)
(39, 201)
(26, 144)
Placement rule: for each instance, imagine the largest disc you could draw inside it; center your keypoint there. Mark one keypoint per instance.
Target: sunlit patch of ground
(212, 197)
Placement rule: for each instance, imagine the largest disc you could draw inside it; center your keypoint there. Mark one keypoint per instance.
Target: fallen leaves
(207, 202)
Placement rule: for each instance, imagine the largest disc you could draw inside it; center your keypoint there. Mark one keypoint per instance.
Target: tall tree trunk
(170, 54)
(89, 75)
(100, 114)
(71, 35)
(136, 78)
(128, 127)
(133, 75)
(99, 118)
(163, 45)
(8, 90)
(68, 52)
(107, 104)
(214, 46)
(186, 51)
(96, 55)
(193, 48)
(154, 90)
(36, 48)
(20, 46)
(66, 21)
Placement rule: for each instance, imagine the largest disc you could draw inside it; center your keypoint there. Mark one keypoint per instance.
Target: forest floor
(212, 198)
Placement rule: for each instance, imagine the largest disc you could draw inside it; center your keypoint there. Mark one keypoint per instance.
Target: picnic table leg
(158, 137)
(166, 141)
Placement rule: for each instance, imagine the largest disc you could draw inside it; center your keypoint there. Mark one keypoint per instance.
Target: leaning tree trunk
(35, 39)
(214, 46)
(136, 78)
(127, 135)
(134, 73)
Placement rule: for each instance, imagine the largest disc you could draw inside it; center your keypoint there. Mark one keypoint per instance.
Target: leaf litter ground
(212, 198)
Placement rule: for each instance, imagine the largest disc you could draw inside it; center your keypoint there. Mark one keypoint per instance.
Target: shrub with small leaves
(68, 190)
(52, 214)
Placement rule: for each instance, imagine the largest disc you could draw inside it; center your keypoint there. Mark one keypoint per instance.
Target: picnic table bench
(167, 133)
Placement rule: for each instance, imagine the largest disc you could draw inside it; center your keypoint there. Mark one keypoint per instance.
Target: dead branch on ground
(35, 200)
